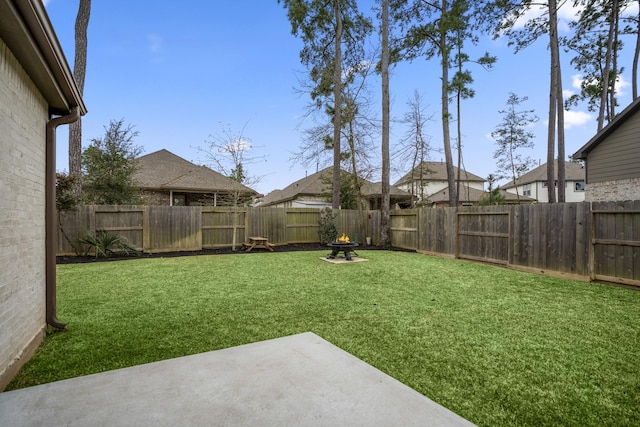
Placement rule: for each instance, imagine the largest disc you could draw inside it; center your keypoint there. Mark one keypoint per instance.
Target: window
(579, 186)
(526, 190)
(179, 200)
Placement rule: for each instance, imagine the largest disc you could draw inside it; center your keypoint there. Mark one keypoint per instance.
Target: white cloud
(576, 81)
(576, 118)
(573, 119)
(155, 42)
(566, 13)
(621, 85)
(631, 10)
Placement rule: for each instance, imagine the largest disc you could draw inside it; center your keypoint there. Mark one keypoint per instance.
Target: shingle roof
(163, 170)
(443, 195)
(572, 172)
(375, 189)
(437, 171)
(313, 185)
(472, 195)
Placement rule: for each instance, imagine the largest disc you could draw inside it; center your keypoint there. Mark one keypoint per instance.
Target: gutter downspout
(51, 227)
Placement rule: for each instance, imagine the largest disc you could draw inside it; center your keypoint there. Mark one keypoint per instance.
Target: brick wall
(613, 191)
(154, 198)
(23, 117)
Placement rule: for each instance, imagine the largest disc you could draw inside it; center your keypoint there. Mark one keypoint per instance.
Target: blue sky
(181, 74)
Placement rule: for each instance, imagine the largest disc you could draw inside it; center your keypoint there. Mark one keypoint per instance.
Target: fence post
(456, 249)
(145, 229)
(592, 244)
(92, 219)
(418, 227)
(511, 241)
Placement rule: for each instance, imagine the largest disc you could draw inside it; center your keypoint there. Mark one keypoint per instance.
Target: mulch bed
(217, 251)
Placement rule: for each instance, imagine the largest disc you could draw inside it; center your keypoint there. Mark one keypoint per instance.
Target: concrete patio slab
(300, 380)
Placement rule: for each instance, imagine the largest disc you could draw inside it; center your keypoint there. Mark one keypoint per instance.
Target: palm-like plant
(106, 244)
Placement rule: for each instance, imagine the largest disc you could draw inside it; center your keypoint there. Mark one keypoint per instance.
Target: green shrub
(106, 244)
(328, 231)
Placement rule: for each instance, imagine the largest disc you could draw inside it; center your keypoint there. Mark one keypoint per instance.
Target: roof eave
(28, 33)
(607, 130)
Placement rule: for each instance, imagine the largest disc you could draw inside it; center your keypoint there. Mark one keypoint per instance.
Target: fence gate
(615, 242)
(484, 236)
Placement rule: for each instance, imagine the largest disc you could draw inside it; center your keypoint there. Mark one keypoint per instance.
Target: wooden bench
(258, 242)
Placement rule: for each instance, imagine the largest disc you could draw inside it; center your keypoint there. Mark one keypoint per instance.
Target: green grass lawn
(498, 347)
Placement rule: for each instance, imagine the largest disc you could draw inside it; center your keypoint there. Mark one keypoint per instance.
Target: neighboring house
(169, 180)
(470, 196)
(37, 94)
(311, 191)
(534, 183)
(514, 199)
(428, 182)
(612, 158)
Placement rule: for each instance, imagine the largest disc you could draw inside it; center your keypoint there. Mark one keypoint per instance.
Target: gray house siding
(617, 157)
(612, 158)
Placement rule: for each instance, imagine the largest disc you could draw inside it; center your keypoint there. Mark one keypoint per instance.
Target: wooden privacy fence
(170, 228)
(600, 241)
(615, 242)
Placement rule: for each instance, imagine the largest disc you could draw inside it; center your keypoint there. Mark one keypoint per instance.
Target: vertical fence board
(518, 242)
(269, 223)
(125, 221)
(484, 233)
(173, 228)
(616, 241)
(350, 222)
(618, 221)
(74, 225)
(627, 234)
(302, 225)
(404, 228)
(635, 236)
(581, 244)
(373, 226)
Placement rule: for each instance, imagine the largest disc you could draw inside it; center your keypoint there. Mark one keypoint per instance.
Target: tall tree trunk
(553, 99)
(636, 57)
(386, 164)
(606, 72)
(459, 123)
(446, 134)
(79, 71)
(614, 59)
(560, 123)
(356, 175)
(337, 96)
(561, 152)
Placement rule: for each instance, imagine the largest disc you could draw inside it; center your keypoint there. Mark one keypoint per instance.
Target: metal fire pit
(346, 248)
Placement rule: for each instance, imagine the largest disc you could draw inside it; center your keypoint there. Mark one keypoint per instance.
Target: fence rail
(598, 241)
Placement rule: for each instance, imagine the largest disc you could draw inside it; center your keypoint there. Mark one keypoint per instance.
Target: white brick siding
(23, 118)
(613, 191)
